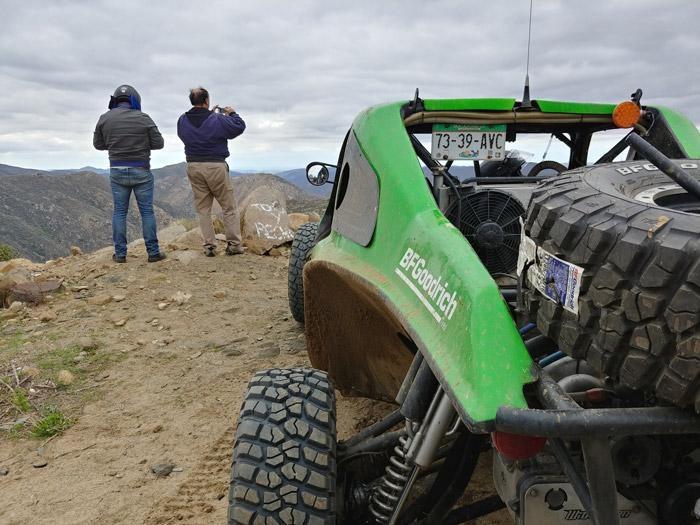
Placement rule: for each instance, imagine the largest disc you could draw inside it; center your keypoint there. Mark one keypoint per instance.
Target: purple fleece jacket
(206, 134)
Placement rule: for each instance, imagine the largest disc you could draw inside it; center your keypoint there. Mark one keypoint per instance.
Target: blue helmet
(125, 93)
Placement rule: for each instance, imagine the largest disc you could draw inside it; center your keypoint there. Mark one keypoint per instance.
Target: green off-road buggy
(563, 340)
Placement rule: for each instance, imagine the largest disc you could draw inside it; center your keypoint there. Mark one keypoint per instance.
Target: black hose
(474, 510)
(459, 202)
(539, 346)
(661, 161)
(420, 394)
(451, 482)
(410, 375)
(453, 476)
(371, 445)
(375, 429)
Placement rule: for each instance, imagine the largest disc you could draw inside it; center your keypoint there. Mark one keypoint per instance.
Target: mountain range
(44, 212)
(297, 177)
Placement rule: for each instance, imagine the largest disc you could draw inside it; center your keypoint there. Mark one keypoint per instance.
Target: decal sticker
(556, 279)
(432, 290)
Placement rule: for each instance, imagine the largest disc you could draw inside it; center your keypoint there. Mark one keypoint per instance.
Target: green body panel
(478, 353)
(469, 104)
(686, 132)
(583, 108)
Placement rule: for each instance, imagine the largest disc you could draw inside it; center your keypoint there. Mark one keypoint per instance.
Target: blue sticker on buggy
(556, 279)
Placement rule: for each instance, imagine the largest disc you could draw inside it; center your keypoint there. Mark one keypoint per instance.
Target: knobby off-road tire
(546, 165)
(284, 468)
(639, 302)
(304, 240)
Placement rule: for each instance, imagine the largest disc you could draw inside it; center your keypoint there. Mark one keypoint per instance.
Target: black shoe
(156, 258)
(234, 249)
(209, 250)
(119, 259)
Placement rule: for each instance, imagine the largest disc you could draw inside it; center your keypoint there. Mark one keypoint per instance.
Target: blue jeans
(123, 182)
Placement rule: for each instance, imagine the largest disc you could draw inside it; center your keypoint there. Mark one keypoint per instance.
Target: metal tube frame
(562, 417)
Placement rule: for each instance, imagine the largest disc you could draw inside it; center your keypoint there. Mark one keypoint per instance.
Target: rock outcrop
(296, 220)
(264, 220)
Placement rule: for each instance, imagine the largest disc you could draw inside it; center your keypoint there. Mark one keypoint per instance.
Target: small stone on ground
(162, 470)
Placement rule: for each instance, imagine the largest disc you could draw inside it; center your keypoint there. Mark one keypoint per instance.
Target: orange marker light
(626, 114)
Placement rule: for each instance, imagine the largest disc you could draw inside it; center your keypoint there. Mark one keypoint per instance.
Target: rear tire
(284, 468)
(639, 301)
(304, 240)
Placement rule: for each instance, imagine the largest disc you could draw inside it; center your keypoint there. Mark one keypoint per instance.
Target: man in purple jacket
(205, 134)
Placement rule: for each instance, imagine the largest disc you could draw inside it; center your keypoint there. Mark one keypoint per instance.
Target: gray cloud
(299, 72)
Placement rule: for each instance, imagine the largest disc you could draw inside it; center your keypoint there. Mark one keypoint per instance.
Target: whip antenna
(526, 92)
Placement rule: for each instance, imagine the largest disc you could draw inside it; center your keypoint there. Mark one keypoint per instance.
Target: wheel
(304, 240)
(635, 234)
(546, 165)
(284, 468)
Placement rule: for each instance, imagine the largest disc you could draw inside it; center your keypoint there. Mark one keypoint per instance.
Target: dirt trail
(165, 387)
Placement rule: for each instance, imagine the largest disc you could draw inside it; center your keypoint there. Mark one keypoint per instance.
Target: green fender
(422, 270)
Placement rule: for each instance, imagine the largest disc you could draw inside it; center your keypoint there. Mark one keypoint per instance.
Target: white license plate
(474, 142)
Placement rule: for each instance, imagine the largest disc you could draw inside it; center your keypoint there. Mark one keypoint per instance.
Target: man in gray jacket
(129, 135)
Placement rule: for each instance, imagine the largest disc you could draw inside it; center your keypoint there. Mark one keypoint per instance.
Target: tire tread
(283, 468)
(639, 302)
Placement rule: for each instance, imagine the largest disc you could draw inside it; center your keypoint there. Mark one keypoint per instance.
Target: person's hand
(228, 110)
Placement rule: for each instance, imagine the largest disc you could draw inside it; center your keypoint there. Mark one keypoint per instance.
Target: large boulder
(12, 273)
(264, 220)
(190, 239)
(165, 235)
(33, 292)
(296, 220)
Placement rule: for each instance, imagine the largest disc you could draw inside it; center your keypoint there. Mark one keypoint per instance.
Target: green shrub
(7, 252)
(53, 422)
(20, 400)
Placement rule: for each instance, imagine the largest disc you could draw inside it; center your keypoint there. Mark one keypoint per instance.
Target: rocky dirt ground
(146, 365)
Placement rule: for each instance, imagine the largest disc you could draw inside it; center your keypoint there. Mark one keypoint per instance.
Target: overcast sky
(298, 72)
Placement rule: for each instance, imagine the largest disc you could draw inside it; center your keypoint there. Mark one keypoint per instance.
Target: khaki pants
(211, 180)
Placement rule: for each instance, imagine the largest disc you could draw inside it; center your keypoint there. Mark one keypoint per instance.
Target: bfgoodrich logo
(432, 290)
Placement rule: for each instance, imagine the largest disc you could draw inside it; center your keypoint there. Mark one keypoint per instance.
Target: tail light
(515, 446)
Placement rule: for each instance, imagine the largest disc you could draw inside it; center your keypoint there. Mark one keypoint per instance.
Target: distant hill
(99, 171)
(173, 192)
(298, 178)
(9, 171)
(41, 216)
(43, 213)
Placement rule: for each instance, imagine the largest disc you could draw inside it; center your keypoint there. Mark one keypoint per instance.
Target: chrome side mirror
(317, 173)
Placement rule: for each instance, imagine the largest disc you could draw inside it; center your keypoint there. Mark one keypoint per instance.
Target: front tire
(304, 240)
(284, 468)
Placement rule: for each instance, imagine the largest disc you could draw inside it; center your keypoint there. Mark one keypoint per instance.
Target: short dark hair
(198, 96)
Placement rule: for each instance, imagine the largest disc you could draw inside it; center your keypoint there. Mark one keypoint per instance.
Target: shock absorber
(387, 495)
(415, 451)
